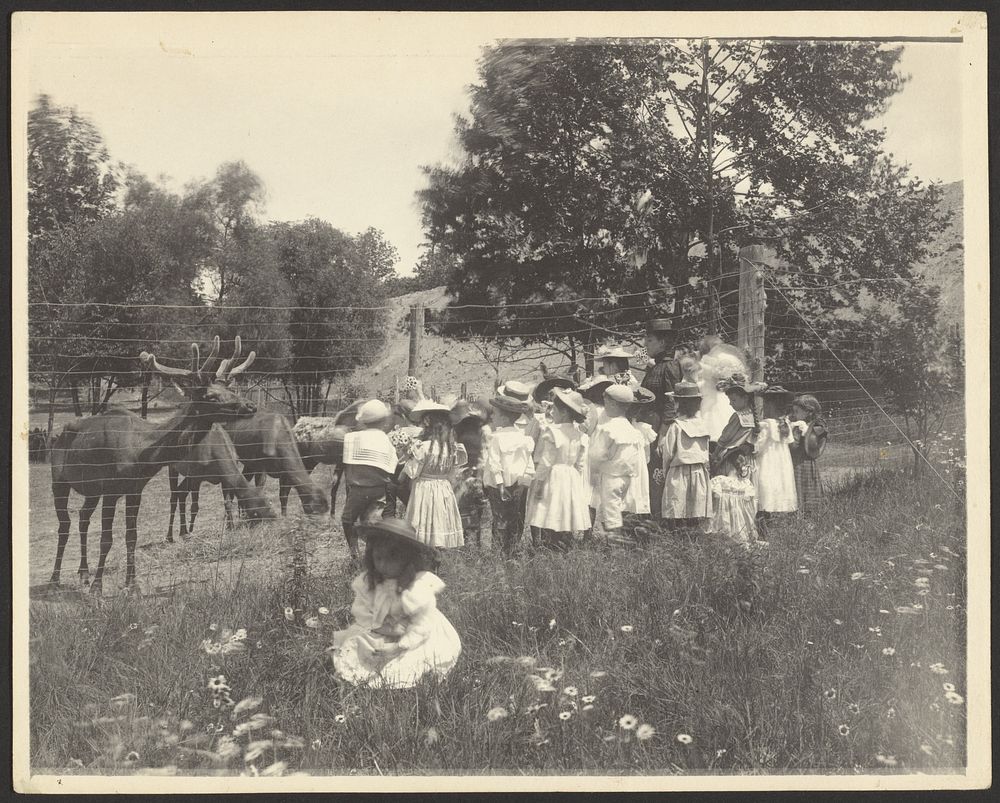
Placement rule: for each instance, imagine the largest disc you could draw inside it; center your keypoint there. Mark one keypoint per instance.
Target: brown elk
(266, 445)
(213, 459)
(116, 453)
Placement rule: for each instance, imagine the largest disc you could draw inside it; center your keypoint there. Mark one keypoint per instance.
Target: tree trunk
(112, 387)
(53, 388)
(144, 402)
(74, 389)
(291, 400)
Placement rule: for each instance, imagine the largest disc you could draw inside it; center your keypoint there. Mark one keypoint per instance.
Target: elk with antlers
(116, 453)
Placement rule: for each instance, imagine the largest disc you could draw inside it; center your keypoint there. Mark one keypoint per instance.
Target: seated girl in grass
(398, 634)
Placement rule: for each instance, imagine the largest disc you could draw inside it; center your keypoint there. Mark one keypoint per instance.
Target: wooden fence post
(416, 330)
(395, 395)
(750, 327)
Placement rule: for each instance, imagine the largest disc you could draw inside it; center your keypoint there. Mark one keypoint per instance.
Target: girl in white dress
(432, 508)
(687, 493)
(775, 477)
(559, 505)
(398, 634)
(592, 391)
(637, 496)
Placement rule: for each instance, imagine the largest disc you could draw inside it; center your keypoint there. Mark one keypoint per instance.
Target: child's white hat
(619, 393)
(372, 411)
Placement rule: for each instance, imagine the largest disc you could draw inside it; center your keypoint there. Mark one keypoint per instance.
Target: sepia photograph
(582, 401)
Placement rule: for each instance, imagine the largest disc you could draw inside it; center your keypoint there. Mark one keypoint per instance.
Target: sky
(338, 117)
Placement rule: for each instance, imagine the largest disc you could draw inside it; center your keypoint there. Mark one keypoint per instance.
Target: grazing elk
(266, 445)
(212, 459)
(116, 453)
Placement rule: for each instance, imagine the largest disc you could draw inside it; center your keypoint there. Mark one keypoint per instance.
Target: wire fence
(836, 364)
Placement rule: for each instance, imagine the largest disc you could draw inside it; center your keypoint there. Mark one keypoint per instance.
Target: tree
(602, 170)
(337, 283)
(920, 387)
(70, 175)
(552, 197)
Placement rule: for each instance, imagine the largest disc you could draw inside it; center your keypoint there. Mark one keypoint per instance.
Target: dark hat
(593, 389)
(510, 404)
(685, 390)
(659, 325)
(399, 530)
(572, 401)
(465, 409)
(776, 390)
(740, 382)
(542, 389)
(644, 396)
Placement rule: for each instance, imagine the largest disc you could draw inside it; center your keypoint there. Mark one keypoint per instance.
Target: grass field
(838, 647)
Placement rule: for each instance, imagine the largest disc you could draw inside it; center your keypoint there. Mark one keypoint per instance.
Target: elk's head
(210, 397)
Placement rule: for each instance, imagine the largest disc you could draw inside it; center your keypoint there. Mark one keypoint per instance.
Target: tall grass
(829, 649)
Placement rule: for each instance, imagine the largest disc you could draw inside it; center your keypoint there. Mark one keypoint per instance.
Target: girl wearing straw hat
(637, 499)
(810, 433)
(687, 493)
(432, 508)
(558, 507)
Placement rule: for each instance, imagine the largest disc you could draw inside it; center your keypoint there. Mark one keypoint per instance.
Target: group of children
(560, 458)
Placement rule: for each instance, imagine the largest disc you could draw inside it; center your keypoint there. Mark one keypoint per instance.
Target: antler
(211, 356)
(223, 371)
(148, 359)
(239, 369)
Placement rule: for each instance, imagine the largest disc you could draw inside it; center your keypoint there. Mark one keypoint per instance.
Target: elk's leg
(182, 497)
(174, 500)
(89, 504)
(131, 536)
(227, 501)
(284, 488)
(60, 496)
(338, 472)
(107, 522)
(195, 489)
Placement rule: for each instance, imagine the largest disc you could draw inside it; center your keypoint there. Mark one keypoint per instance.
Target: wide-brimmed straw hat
(510, 404)
(398, 530)
(643, 396)
(572, 401)
(428, 407)
(541, 391)
(685, 390)
(619, 393)
(613, 352)
(740, 382)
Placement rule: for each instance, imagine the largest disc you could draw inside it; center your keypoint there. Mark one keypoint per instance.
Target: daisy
(837, 622)
(938, 669)
(948, 686)
(570, 691)
(888, 651)
(564, 715)
(857, 575)
(598, 673)
(830, 694)
(289, 614)
(552, 624)
(588, 698)
(340, 719)
(587, 707)
(954, 698)
(887, 761)
(843, 730)
(644, 732)
(628, 722)
(627, 628)
(312, 621)
(323, 611)
(684, 738)
(496, 713)
(854, 708)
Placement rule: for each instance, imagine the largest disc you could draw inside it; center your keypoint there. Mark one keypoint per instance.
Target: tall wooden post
(416, 330)
(395, 393)
(750, 329)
